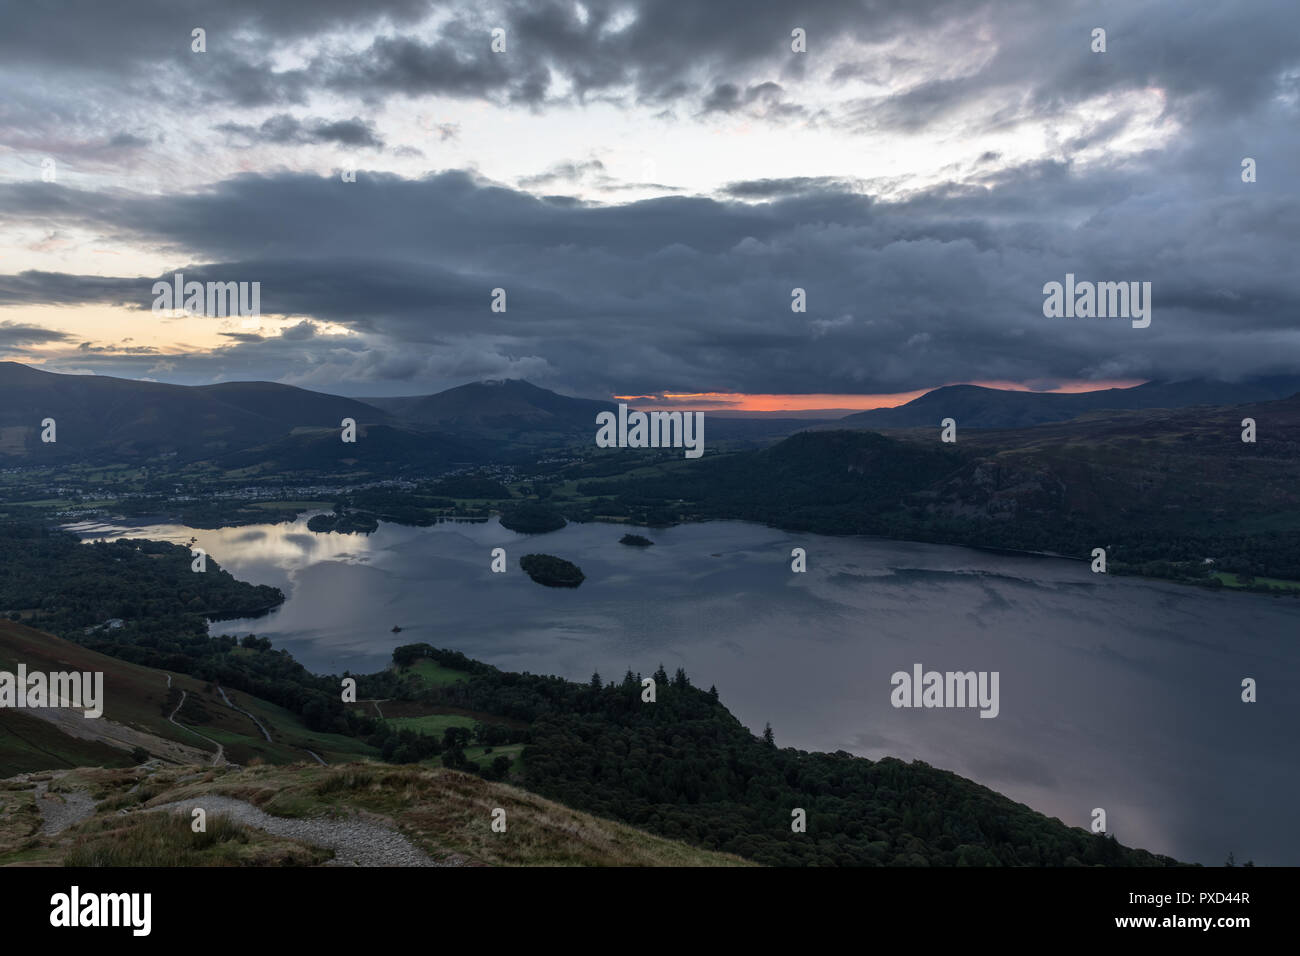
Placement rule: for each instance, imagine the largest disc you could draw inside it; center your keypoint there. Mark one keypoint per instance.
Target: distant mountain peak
(977, 406)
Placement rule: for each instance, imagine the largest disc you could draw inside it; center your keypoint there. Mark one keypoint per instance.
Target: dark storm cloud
(693, 294)
(56, 288)
(1206, 61)
(790, 186)
(300, 332)
(725, 98)
(13, 336)
(283, 129)
(58, 57)
(723, 55)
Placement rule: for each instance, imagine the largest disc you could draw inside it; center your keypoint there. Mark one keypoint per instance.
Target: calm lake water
(1115, 692)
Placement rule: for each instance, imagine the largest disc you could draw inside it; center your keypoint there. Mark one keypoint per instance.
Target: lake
(1119, 693)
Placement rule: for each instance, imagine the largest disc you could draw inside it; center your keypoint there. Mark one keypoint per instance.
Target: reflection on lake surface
(1115, 692)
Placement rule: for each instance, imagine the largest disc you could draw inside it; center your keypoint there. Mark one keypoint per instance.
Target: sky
(648, 182)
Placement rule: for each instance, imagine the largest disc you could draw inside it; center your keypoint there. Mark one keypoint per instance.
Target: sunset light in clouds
(724, 402)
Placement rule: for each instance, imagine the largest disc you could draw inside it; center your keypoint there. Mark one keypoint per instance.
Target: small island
(348, 523)
(552, 571)
(532, 518)
(635, 540)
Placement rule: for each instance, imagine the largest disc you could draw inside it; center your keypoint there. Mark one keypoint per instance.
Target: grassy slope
(444, 812)
(27, 743)
(137, 696)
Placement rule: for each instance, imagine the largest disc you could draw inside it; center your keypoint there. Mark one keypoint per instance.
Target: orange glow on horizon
(756, 402)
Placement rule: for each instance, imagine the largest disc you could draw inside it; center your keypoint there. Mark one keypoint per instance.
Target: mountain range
(124, 418)
(505, 409)
(975, 406)
(239, 424)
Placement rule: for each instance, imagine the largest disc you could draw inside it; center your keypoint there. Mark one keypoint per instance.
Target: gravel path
(61, 810)
(355, 842)
(265, 734)
(220, 757)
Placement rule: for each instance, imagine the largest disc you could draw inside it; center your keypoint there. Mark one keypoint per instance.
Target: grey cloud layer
(693, 294)
(1211, 59)
(687, 293)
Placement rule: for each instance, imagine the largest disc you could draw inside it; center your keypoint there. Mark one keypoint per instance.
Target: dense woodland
(66, 585)
(343, 522)
(685, 768)
(843, 482)
(531, 517)
(49, 580)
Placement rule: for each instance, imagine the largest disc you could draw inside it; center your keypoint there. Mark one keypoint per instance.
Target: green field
(480, 756)
(432, 725)
(292, 737)
(434, 674)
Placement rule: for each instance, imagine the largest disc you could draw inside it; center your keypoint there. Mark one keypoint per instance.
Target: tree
(595, 681)
(713, 691)
(768, 737)
(455, 738)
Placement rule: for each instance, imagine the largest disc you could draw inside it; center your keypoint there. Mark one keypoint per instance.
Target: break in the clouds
(648, 182)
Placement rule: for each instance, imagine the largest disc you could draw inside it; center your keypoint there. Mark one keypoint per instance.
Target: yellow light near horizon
(119, 328)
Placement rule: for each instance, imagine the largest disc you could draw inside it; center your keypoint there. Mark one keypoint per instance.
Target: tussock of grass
(20, 821)
(166, 839)
(348, 780)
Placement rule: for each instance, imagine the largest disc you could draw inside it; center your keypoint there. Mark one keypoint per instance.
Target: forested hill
(685, 768)
(837, 482)
(51, 580)
(1162, 490)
